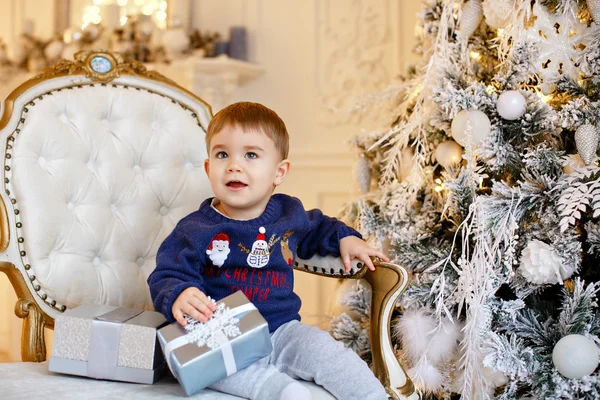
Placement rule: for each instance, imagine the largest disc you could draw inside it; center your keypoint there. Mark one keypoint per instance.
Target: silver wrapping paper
(107, 342)
(198, 367)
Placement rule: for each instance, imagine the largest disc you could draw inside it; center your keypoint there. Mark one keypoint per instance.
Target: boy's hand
(194, 303)
(352, 247)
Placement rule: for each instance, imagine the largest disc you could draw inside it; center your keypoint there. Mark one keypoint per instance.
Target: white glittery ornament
(594, 9)
(472, 124)
(448, 153)
(586, 140)
(472, 14)
(575, 356)
(362, 174)
(497, 12)
(511, 105)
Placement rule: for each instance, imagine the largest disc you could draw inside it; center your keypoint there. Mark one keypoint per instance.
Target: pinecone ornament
(586, 140)
(594, 8)
(362, 173)
(472, 14)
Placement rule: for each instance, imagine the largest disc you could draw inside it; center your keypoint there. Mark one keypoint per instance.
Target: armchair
(102, 159)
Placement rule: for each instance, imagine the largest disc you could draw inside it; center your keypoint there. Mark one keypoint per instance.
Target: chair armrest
(387, 282)
(331, 267)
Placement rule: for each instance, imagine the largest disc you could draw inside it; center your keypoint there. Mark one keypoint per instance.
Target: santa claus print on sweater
(218, 249)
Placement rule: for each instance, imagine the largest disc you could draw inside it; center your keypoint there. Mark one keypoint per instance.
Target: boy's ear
(282, 169)
(206, 167)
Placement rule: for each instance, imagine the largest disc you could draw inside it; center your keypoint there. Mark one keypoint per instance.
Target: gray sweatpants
(305, 352)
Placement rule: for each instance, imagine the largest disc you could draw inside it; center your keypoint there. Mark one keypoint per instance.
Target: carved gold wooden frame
(387, 282)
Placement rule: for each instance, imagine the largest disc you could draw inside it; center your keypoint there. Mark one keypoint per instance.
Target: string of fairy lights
(92, 12)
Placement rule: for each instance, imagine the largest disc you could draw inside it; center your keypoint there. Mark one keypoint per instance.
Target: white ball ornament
(470, 123)
(575, 356)
(511, 105)
(53, 50)
(448, 153)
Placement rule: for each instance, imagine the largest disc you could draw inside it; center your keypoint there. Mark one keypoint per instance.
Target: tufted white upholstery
(108, 171)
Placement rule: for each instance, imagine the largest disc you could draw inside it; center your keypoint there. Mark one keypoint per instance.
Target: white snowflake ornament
(561, 39)
(594, 9)
(222, 326)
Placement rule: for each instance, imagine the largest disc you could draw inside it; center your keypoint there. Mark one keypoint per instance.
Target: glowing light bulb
(147, 10)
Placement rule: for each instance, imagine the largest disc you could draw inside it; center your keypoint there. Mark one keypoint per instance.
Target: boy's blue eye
(221, 154)
(251, 154)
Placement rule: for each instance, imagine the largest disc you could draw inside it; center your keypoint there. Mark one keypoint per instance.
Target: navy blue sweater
(220, 256)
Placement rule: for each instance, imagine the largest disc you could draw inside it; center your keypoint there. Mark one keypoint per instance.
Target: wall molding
(322, 159)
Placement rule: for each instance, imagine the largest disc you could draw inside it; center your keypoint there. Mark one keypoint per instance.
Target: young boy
(246, 238)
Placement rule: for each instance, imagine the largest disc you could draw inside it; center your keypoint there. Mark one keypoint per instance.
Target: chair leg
(388, 281)
(33, 346)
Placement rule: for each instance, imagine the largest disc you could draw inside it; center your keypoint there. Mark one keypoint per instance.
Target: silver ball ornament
(511, 105)
(586, 140)
(575, 356)
(472, 124)
(448, 153)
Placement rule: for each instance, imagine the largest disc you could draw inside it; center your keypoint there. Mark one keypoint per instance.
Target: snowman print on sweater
(259, 255)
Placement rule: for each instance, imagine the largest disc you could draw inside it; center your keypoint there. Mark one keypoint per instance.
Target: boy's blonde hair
(251, 117)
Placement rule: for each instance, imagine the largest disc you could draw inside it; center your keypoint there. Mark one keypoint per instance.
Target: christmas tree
(486, 186)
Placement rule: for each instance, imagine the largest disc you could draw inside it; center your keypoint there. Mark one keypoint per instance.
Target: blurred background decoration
(137, 29)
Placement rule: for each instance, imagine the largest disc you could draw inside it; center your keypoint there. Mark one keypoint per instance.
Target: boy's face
(243, 168)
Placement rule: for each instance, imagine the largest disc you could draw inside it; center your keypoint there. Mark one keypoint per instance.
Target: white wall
(316, 54)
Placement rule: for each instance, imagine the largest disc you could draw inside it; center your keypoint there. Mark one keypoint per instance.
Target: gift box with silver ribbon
(107, 342)
(201, 354)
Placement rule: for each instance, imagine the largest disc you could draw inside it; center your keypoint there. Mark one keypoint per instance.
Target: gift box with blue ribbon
(201, 354)
(107, 342)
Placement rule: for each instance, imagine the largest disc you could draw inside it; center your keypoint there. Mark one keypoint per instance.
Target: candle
(238, 43)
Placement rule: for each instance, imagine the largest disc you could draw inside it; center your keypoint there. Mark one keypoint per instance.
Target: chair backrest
(102, 159)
